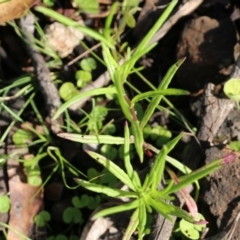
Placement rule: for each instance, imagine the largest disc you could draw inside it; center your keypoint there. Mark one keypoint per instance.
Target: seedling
(144, 195)
(72, 215)
(42, 218)
(88, 64)
(161, 135)
(232, 90)
(22, 137)
(90, 6)
(190, 230)
(109, 151)
(67, 91)
(5, 204)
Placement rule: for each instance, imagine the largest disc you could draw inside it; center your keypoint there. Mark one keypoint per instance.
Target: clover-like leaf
(232, 89)
(42, 218)
(4, 204)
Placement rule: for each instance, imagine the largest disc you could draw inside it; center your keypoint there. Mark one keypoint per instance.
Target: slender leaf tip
(180, 62)
(201, 222)
(229, 158)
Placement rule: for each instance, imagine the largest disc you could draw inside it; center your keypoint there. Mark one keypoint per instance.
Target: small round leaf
(21, 136)
(232, 89)
(4, 204)
(68, 91)
(42, 218)
(61, 237)
(88, 64)
(72, 214)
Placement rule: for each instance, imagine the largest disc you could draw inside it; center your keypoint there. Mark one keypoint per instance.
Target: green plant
(72, 214)
(90, 6)
(42, 218)
(191, 230)
(144, 195)
(232, 89)
(5, 204)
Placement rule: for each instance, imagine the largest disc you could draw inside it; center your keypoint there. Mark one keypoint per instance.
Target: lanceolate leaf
(113, 168)
(138, 139)
(126, 149)
(94, 92)
(132, 226)
(163, 85)
(142, 218)
(196, 175)
(111, 192)
(158, 168)
(121, 208)
(169, 91)
(93, 139)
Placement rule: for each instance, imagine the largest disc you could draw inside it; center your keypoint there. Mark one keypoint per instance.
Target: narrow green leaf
(132, 226)
(100, 139)
(94, 92)
(119, 78)
(161, 207)
(171, 144)
(196, 175)
(113, 168)
(156, 172)
(68, 22)
(158, 167)
(136, 180)
(138, 139)
(121, 208)
(163, 85)
(126, 152)
(130, 20)
(169, 91)
(142, 218)
(109, 60)
(111, 192)
(156, 26)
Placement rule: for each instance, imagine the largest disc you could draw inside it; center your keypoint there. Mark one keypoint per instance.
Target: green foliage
(235, 145)
(21, 137)
(33, 171)
(190, 230)
(83, 78)
(49, 3)
(42, 218)
(61, 237)
(96, 118)
(3, 159)
(232, 89)
(88, 64)
(109, 151)
(144, 195)
(110, 129)
(72, 214)
(161, 135)
(67, 91)
(5, 204)
(88, 6)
